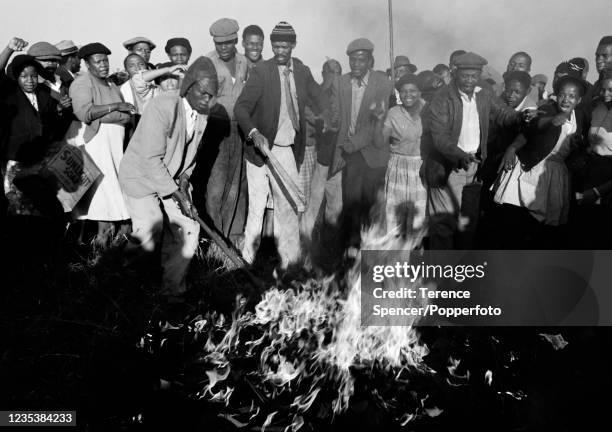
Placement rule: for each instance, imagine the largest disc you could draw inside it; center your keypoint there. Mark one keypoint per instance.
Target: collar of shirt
(32, 98)
(288, 66)
(363, 80)
(190, 117)
(464, 96)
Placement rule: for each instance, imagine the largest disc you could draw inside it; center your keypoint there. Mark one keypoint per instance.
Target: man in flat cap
(155, 170)
(178, 50)
(226, 188)
(271, 112)
(142, 46)
(49, 57)
(358, 164)
(70, 63)
(453, 146)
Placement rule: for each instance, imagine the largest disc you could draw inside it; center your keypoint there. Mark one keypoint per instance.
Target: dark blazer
(542, 135)
(259, 105)
(442, 120)
(65, 76)
(379, 89)
(26, 134)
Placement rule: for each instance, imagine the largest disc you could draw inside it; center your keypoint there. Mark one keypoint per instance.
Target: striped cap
(283, 32)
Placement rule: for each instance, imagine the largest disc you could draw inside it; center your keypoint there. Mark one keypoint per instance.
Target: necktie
(290, 105)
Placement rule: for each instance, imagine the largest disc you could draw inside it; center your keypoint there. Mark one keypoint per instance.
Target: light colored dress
(103, 141)
(545, 189)
(405, 195)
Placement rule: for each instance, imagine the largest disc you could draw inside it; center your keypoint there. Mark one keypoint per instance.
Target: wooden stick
(292, 192)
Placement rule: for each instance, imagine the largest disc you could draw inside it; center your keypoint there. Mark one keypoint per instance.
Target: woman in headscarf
(405, 196)
(102, 115)
(536, 177)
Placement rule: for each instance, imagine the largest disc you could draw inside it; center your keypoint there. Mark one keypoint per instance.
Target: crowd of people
(458, 154)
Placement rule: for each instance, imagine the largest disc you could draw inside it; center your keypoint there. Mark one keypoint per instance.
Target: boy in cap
(454, 145)
(155, 171)
(358, 164)
(70, 63)
(270, 111)
(226, 187)
(142, 46)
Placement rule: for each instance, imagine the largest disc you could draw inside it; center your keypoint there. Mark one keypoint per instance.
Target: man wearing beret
(70, 63)
(453, 146)
(271, 112)
(155, 170)
(358, 164)
(226, 189)
(49, 57)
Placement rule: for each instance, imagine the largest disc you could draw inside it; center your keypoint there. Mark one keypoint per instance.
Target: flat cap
(138, 39)
(67, 47)
(361, 44)
(202, 69)
(539, 78)
(520, 76)
(93, 48)
(469, 60)
(402, 60)
(224, 29)
(44, 51)
(177, 41)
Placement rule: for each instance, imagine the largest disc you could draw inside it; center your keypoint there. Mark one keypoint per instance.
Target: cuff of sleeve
(168, 192)
(250, 135)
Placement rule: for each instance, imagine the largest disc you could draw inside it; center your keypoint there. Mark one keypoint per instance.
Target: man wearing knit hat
(226, 187)
(49, 57)
(454, 144)
(70, 64)
(155, 171)
(270, 111)
(358, 164)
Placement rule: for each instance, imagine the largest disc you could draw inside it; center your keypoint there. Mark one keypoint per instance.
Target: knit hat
(361, 44)
(67, 47)
(539, 78)
(19, 63)
(520, 76)
(283, 32)
(177, 41)
(93, 48)
(224, 30)
(202, 69)
(128, 44)
(44, 51)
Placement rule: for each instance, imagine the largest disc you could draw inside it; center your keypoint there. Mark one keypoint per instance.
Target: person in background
(521, 61)
(539, 82)
(603, 62)
(458, 120)
(142, 46)
(429, 84)
(401, 66)
(70, 64)
(167, 83)
(451, 59)
(582, 65)
(155, 176)
(178, 50)
(270, 111)
(443, 72)
(253, 43)
(536, 177)
(49, 57)
(102, 116)
(405, 196)
(358, 162)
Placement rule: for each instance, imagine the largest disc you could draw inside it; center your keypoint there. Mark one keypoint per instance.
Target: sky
(427, 31)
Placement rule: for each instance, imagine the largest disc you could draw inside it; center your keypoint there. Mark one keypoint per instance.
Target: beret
(469, 60)
(401, 60)
(67, 47)
(200, 69)
(520, 76)
(224, 29)
(408, 78)
(20, 62)
(428, 81)
(131, 42)
(283, 32)
(539, 78)
(44, 51)
(93, 48)
(177, 41)
(560, 82)
(360, 44)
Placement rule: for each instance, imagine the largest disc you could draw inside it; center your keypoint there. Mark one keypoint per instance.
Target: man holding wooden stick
(270, 111)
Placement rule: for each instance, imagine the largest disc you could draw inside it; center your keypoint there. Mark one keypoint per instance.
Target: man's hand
(177, 68)
(260, 141)
(559, 119)
(508, 160)
(65, 102)
(184, 202)
(466, 161)
(589, 196)
(378, 110)
(531, 113)
(17, 44)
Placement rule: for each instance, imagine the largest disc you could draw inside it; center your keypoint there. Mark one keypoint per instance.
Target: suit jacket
(442, 127)
(378, 90)
(157, 154)
(65, 76)
(259, 105)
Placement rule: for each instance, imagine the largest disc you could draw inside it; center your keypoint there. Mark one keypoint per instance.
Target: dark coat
(259, 105)
(65, 76)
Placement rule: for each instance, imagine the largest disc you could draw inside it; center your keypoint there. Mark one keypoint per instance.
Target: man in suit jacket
(155, 170)
(270, 111)
(70, 63)
(358, 164)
